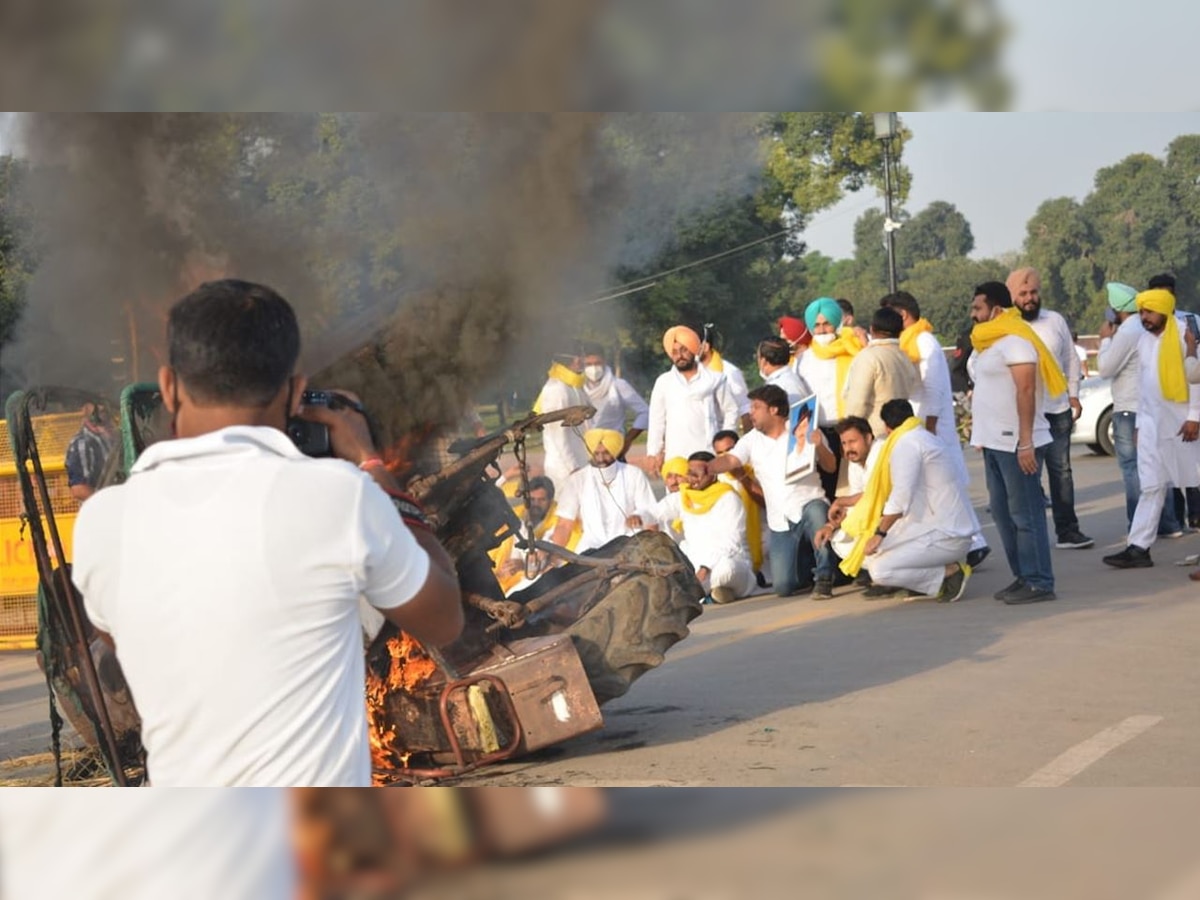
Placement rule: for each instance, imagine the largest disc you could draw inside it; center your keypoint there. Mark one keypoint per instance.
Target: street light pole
(885, 131)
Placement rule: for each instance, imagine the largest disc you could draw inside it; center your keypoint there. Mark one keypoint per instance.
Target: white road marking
(1068, 765)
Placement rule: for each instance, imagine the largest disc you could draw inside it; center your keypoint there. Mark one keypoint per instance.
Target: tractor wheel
(628, 632)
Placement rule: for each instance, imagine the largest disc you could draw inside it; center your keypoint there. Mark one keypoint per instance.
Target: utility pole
(886, 130)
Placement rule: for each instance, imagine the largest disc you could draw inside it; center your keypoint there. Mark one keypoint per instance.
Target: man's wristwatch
(881, 532)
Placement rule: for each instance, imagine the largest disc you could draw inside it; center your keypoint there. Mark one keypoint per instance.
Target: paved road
(1095, 688)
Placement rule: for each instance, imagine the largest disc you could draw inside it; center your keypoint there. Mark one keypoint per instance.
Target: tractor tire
(628, 632)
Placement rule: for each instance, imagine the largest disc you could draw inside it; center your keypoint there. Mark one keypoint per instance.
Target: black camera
(312, 438)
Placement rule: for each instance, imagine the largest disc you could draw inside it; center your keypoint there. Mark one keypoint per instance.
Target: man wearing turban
(607, 499)
(1117, 360)
(1061, 410)
(1168, 424)
(689, 403)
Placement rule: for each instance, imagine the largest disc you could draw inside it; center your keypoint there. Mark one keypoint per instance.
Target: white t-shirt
(228, 570)
(768, 456)
(145, 844)
(994, 422)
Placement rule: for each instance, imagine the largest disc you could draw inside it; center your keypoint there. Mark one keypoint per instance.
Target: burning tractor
(528, 671)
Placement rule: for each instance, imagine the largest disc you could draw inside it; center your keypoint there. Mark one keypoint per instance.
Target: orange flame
(409, 668)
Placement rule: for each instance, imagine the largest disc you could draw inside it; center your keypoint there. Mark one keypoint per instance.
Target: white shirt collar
(236, 440)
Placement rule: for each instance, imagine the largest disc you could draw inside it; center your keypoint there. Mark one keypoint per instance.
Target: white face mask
(593, 373)
(824, 338)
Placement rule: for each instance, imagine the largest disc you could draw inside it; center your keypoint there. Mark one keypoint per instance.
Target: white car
(1094, 426)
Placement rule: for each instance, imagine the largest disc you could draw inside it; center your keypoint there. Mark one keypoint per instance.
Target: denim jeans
(1016, 500)
(1125, 448)
(793, 560)
(1058, 473)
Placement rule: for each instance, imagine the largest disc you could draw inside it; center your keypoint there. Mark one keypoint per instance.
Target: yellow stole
(502, 553)
(1009, 322)
(843, 348)
(566, 376)
(1171, 378)
(908, 338)
(753, 519)
(700, 502)
(864, 516)
(715, 362)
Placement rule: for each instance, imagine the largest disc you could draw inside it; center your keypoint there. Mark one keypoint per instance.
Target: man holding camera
(228, 568)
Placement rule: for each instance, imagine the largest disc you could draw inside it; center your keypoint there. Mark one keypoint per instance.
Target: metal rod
(888, 231)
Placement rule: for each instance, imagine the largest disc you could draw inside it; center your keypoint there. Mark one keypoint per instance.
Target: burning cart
(529, 670)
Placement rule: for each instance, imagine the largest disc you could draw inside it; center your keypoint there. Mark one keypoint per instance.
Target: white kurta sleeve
(728, 405)
(737, 383)
(632, 401)
(935, 381)
(1116, 352)
(657, 426)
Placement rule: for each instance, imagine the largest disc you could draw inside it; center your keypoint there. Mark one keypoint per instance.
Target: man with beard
(689, 403)
(607, 499)
(1061, 410)
(714, 533)
(1168, 424)
(508, 559)
(796, 510)
(615, 399)
(1013, 373)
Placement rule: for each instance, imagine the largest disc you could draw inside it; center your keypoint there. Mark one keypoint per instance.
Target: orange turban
(613, 441)
(681, 334)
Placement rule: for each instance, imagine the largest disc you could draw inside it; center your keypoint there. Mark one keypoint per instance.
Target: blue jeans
(1020, 517)
(1125, 448)
(794, 563)
(1058, 473)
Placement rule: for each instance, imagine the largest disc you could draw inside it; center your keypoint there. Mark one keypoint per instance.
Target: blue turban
(823, 306)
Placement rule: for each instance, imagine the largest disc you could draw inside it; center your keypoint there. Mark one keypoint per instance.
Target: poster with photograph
(801, 458)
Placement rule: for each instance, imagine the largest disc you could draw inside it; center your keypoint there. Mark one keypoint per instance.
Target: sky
(997, 168)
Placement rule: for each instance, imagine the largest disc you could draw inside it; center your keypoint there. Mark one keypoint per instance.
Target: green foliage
(18, 254)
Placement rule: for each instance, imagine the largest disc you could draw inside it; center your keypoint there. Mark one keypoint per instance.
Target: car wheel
(1104, 433)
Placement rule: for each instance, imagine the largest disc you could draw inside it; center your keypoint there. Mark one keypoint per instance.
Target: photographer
(228, 568)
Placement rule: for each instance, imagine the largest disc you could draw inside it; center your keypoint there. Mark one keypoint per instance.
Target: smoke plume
(426, 254)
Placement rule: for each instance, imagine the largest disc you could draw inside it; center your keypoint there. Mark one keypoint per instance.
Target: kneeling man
(912, 527)
(714, 532)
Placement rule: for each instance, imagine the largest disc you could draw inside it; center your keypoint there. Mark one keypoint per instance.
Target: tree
(18, 255)
(1061, 244)
(943, 288)
(939, 231)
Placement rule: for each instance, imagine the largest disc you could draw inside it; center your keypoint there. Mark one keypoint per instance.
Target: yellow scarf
(753, 519)
(501, 554)
(1170, 355)
(1009, 322)
(700, 502)
(566, 376)
(864, 516)
(908, 338)
(715, 362)
(843, 348)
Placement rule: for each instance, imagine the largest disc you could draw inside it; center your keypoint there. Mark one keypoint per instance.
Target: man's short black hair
(233, 343)
(1166, 281)
(542, 483)
(887, 322)
(702, 456)
(726, 435)
(995, 293)
(775, 350)
(591, 348)
(903, 300)
(846, 305)
(856, 423)
(896, 412)
(774, 397)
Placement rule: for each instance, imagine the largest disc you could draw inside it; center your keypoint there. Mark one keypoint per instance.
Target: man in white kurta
(1168, 452)
(714, 533)
(563, 445)
(615, 399)
(609, 499)
(926, 528)
(933, 404)
(689, 403)
(711, 359)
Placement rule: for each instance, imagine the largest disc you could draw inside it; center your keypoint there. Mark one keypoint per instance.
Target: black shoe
(1028, 594)
(954, 585)
(863, 579)
(880, 592)
(823, 589)
(1132, 557)
(1074, 540)
(1011, 589)
(975, 557)
(761, 580)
